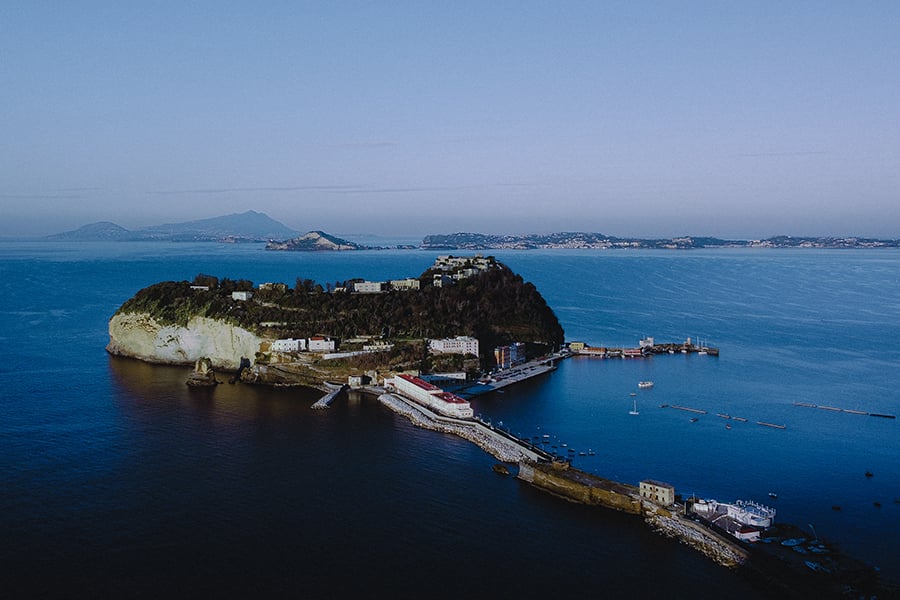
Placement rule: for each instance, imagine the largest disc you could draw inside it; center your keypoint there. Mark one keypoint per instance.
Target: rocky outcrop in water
(203, 374)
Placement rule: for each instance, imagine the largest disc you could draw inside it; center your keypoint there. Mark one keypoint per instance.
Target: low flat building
(288, 345)
(321, 344)
(244, 295)
(368, 287)
(461, 344)
(410, 283)
(431, 396)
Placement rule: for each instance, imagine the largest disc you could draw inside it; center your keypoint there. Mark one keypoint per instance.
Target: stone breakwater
(712, 545)
(500, 448)
(575, 485)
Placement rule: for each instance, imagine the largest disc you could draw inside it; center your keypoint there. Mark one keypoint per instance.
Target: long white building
(321, 344)
(431, 396)
(459, 345)
(288, 345)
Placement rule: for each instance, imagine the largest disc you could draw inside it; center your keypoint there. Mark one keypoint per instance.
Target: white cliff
(140, 336)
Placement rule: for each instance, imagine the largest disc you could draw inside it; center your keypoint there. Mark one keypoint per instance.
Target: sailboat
(634, 411)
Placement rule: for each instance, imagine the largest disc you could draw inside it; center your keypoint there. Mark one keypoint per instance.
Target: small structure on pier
(658, 492)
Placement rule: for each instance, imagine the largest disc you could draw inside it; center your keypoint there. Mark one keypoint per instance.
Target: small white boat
(645, 384)
(634, 411)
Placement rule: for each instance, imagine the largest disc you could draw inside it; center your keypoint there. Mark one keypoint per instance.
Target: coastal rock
(139, 335)
(203, 374)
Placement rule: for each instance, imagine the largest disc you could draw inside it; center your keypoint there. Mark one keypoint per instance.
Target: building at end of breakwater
(431, 396)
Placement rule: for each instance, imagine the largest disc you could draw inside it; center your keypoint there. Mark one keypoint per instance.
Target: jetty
(646, 347)
(326, 400)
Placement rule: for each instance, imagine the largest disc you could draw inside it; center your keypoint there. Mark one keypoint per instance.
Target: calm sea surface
(117, 480)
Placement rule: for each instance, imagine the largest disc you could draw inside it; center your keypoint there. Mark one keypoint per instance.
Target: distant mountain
(315, 241)
(250, 226)
(102, 231)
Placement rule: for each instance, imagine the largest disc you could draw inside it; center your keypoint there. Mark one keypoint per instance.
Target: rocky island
(314, 241)
(454, 317)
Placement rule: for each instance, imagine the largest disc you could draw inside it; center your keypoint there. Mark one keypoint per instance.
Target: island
(462, 315)
(315, 241)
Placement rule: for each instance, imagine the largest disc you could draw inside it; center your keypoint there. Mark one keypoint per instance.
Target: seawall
(584, 488)
(713, 545)
(499, 447)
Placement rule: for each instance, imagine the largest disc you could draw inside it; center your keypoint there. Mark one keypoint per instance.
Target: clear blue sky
(735, 119)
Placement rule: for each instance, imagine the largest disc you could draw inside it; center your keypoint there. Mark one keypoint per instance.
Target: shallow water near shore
(119, 479)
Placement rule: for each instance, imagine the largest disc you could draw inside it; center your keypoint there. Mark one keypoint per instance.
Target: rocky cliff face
(138, 335)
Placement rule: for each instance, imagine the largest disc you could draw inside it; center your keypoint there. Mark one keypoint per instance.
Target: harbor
(646, 347)
(740, 535)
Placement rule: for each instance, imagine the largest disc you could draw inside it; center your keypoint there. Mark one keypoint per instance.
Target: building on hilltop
(269, 286)
(459, 345)
(430, 396)
(454, 268)
(368, 287)
(244, 295)
(410, 283)
(441, 280)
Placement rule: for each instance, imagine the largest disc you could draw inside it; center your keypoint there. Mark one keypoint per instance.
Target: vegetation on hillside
(496, 306)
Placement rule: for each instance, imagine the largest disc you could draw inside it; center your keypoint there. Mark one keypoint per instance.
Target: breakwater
(499, 446)
(561, 480)
(712, 545)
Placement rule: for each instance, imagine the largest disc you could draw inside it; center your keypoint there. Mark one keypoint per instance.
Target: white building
(751, 513)
(288, 345)
(378, 346)
(410, 283)
(459, 345)
(431, 396)
(241, 295)
(440, 280)
(658, 492)
(320, 344)
(368, 287)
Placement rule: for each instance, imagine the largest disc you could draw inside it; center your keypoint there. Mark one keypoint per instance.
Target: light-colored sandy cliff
(139, 335)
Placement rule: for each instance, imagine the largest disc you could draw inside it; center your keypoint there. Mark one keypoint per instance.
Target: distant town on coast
(253, 226)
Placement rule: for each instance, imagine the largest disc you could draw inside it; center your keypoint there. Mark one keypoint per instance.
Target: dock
(646, 347)
(326, 400)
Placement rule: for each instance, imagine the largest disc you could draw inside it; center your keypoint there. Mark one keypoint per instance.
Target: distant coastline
(256, 227)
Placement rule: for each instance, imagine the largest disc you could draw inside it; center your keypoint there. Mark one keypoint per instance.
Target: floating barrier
(771, 425)
(693, 410)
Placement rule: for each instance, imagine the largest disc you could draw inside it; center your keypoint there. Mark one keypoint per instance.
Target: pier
(326, 400)
(646, 347)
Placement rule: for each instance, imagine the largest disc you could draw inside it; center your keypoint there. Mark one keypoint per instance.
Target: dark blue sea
(117, 480)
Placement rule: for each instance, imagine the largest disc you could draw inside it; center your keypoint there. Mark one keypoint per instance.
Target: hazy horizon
(633, 119)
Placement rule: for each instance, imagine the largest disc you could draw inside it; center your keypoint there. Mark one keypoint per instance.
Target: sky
(741, 120)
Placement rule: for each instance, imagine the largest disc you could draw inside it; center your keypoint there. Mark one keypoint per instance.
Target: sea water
(119, 480)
